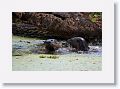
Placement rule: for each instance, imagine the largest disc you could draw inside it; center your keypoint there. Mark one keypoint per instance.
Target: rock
(94, 49)
(25, 30)
(63, 50)
(59, 25)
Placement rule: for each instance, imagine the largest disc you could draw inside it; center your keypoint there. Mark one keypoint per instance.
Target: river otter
(78, 43)
(51, 45)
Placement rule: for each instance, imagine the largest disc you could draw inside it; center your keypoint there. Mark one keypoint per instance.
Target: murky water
(27, 56)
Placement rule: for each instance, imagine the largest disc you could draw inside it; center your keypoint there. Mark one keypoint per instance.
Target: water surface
(27, 57)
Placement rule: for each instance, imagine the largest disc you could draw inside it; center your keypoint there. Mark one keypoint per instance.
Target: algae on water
(49, 56)
(24, 60)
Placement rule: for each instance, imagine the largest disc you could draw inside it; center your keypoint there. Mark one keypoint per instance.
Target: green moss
(42, 56)
(49, 56)
(53, 57)
(93, 19)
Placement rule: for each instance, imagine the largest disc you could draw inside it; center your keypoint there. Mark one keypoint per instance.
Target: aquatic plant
(53, 57)
(49, 56)
(42, 56)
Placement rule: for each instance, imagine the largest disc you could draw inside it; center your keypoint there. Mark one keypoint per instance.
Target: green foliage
(95, 16)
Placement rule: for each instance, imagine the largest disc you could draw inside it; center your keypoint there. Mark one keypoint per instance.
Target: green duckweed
(49, 56)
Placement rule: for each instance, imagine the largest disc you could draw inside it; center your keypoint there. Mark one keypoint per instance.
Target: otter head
(50, 45)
